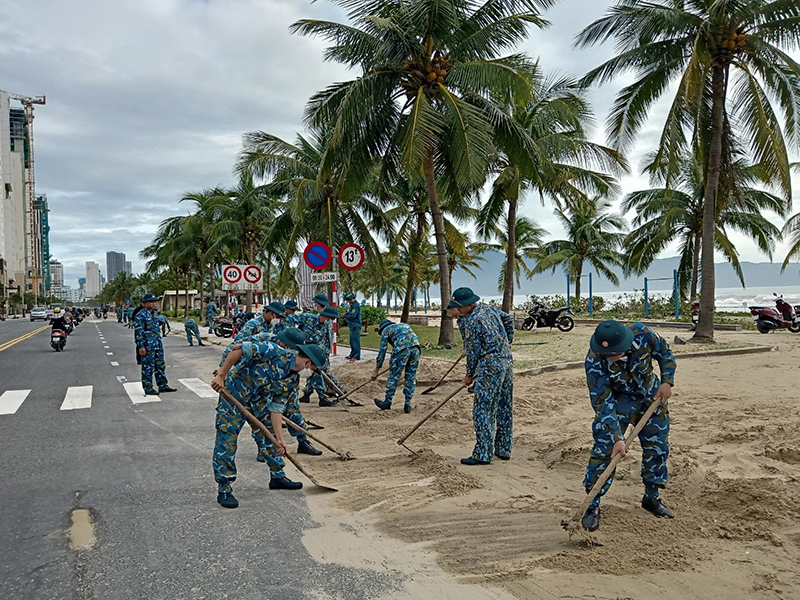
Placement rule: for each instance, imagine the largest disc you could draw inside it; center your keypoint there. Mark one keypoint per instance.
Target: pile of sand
(734, 473)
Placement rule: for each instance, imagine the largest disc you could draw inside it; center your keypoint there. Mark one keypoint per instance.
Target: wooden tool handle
(358, 387)
(291, 423)
(453, 366)
(430, 414)
(610, 468)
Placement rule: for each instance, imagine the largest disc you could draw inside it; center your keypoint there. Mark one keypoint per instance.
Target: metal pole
(591, 312)
(646, 303)
(567, 290)
(675, 291)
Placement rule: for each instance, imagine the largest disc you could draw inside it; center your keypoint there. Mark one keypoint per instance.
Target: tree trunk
(695, 266)
(407, 298)
(186, 297)
(705, 327)
(578, 277)
(201, 318)
(213, 268)
(414, 249)
(269, 278)
(446, 335)
(511, 256)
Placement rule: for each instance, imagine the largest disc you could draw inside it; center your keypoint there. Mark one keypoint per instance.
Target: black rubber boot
(324, 402)
(227, 500)
(284, 483)
(305, 447)
(166, 389)
(474, 461)
(502, 457)
(591, 518)
(151, 393)
(306, 397)
(407, 407)
(656, 507)
(383, 404)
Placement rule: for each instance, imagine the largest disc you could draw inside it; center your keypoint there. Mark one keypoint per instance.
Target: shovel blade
(430, 389)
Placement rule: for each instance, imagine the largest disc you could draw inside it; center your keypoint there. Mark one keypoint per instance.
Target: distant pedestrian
(163, 324)
(353, 318)
(211, 314)
(192, 329)
(119, 314)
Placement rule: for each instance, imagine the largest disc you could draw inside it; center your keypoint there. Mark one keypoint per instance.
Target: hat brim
(621, 348)
(307, 349)
(474, 299)
(271, 309)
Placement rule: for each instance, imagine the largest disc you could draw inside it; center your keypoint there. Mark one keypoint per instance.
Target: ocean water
(727, 299)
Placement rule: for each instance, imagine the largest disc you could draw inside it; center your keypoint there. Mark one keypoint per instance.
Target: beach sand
(495, 532)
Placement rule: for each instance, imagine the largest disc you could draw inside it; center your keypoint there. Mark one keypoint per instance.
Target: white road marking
(122, 378)
(136, 393)
(114, 363)
(107, 347)
(199, 387)
(11, 400)
(77, 397)
(110, 353)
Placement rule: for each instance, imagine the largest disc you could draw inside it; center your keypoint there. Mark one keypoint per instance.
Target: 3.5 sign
(351, 257)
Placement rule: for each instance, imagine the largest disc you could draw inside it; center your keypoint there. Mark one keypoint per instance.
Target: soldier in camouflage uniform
(488, 333)
(273, 312)
(320, 333)
(192, 329)
(149, 347)
(622, 384)
(264, 379)
(289, 319)
(405, 360)
(353, 318)
(211, 314)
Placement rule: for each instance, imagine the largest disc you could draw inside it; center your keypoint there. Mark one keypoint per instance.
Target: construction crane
(30, 186)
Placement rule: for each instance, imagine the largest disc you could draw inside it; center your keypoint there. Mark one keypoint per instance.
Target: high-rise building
(92, 287)
(42, 246)
(115, 264)
(81, 283)
(128, 268)
(56, 274)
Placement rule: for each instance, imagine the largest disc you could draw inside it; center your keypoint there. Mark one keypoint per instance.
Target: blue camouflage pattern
(353, 318)
(256, 382)
(211, 314)
(290, 320)
(192, 329)
(404, 360)
(253, 326)
(487, 334)
(322, 335)
(147, 336)
(620, 393)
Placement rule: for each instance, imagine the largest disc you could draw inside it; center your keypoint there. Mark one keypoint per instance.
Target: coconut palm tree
(729, 57)
(173, 249)
(667, 215)
(562, 167)
(430, 72)
(527, 245)
(594, 236)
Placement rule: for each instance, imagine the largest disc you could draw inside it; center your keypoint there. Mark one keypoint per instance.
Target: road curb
(727, 352)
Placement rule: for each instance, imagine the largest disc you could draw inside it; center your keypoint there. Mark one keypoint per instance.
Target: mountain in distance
(763, 274)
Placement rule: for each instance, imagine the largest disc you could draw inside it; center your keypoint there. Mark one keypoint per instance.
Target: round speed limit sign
(231, 274)
(351, 257)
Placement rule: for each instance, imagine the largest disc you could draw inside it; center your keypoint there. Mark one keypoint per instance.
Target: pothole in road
(81, 532)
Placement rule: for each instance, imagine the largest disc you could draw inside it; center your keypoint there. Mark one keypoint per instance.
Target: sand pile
(734, 484)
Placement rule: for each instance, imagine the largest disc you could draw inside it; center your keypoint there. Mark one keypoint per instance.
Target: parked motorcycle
(783, 316)
(695, 314)
(223, 327)
(541, 316)
(58, 339)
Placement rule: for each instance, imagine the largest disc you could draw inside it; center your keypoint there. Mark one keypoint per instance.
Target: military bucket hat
(611, 338)
(464, 296)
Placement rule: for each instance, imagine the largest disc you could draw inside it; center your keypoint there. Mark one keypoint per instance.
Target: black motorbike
(541, 316)
(223, 327)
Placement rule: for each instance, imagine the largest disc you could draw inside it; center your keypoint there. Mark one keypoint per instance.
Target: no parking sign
(317, 255)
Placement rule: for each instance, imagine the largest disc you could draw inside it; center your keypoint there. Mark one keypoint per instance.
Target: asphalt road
(142, 474)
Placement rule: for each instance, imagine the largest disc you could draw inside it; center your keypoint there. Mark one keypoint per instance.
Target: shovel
(292, 424)
(430, 389)
(428, 416)
(338, 389)
(358, 387)
(573, 525)
(268, 434)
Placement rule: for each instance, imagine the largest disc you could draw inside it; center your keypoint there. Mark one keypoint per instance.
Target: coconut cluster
(421, 72)
(731, 44)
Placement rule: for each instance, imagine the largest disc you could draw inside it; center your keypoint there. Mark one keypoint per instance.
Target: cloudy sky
(149, 99)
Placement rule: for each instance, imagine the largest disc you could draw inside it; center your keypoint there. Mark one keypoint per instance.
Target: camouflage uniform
(322, 335)
(290, 320)
(353, 318)
(263, 381)
(487, 333)
(148, 337)
(405, 359)
(254, 326)
(620, 393)
(211, 314)
(192, 329)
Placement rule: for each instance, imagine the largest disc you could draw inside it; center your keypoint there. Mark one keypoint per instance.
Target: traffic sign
(351, 256)
(317, 255)
(326, 277)
(252, 274)
(231, 274)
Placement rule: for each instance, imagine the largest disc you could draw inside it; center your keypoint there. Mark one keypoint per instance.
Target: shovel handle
(294, 425)
(358, 387)
(615, 461)
(430, 414)
(453, 366)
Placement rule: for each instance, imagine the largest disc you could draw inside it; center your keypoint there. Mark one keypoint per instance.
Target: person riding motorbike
(59, 321)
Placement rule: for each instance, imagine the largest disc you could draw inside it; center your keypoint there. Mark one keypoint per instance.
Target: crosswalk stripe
(77, 397)
(136, 393)
(11, 400)
(199, 387)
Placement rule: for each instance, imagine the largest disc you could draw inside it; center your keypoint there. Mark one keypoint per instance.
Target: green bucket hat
(452, 304)
(150, 297)
(383, 325)
(329, 311)
(611, 338)
(321, 299)
(464, 296)
(276, 307)
(349, 296)
(315, 353)
(290, 305)
(292, 337)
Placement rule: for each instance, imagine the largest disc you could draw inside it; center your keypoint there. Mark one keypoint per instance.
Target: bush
(370, 315)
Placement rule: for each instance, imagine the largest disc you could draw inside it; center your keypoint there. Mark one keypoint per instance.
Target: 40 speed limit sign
(351, 257)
